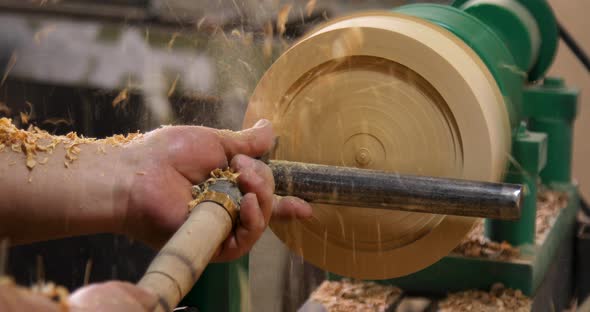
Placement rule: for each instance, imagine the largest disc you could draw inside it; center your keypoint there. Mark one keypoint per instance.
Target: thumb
(253, 142)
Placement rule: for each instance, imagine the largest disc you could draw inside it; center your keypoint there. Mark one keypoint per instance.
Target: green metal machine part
(517, 40)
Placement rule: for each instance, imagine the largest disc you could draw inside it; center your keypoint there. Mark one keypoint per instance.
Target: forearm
(60, 196)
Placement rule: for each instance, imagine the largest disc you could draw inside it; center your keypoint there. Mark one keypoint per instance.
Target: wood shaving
(309, 7)
(355, 296)
(16, 148)
(498, 299)
(199, 191)
(42, 33)
(172, 88)
(549, 204)
(57, 121)
(236, 33)
(477, 245)
(34, 140)
(24, 118)
(282, 18)
(53, 292)
(87, 270)
(172, 40)
(200, 22)
(9, 66)
(267, 44)
(121, 97)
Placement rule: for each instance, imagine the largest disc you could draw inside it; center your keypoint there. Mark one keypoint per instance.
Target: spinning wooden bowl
(383, 91)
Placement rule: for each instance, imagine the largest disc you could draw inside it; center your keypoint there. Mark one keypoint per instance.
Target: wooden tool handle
(180, 263)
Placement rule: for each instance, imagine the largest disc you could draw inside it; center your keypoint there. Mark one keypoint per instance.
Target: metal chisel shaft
(385, 190)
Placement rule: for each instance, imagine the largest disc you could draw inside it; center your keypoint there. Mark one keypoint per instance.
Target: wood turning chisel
(181, 261)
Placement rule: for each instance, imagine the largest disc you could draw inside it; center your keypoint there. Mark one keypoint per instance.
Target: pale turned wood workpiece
(383, 91)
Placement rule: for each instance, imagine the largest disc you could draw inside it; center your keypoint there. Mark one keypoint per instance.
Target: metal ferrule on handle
(180, 263)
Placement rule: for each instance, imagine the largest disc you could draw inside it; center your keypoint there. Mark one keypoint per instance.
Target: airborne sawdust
(282, 18)
(172, 41)
(121, 97)
(33, 141)
(25, 117)
(42, 33)
(172, 88)
(9, 66)
(268, 38)
(310, 7)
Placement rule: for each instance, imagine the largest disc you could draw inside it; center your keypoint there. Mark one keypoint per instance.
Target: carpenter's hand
(168, 161)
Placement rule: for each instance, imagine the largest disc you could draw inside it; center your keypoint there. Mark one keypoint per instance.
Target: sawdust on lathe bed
(549, 204)
(33, 141)
(350, 296)
(477, 245)
(498, 299)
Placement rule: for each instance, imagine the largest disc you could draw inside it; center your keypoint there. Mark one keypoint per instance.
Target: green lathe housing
(517, 40)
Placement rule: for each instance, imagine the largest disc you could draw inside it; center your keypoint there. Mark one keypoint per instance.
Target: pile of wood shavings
(477, 245)
(498, 299)
(51, 291)
(34, 140)
(200, 190)
(347, 296)
(549, 204)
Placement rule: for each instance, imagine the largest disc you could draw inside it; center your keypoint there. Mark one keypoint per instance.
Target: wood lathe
(420, 100)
